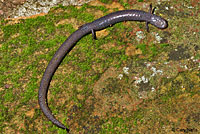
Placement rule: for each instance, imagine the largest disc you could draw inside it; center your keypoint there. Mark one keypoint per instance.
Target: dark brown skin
(65, 48)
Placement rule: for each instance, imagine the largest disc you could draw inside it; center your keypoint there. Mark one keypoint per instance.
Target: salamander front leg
(94, 34)
(152, 12)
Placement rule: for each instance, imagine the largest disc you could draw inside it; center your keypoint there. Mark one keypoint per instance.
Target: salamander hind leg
(94, 34)
(147, 26)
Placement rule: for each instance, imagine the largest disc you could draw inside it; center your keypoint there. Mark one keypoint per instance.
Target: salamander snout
(158, 22)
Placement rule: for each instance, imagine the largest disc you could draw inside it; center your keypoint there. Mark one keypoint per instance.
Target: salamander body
(65, 48)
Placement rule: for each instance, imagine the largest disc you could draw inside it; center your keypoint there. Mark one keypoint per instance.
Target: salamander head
(158, 22)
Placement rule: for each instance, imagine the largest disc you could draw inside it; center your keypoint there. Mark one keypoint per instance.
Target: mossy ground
(118, 83)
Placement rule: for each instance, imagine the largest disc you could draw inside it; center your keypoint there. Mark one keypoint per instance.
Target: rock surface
(25, 8)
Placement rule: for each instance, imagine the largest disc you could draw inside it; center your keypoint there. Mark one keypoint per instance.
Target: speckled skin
(65, 48)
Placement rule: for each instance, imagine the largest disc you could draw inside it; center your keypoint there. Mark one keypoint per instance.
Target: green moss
(30, 91)
(163, 45)
(83, 7)
(197, 56)
(143, 48)
(49, 28)
(8, 96)
(126, 5)
(117, 125)
(138, 116)
(9, 30)
(102, 8)
(85, 17)
(153, 51)
(106, 1)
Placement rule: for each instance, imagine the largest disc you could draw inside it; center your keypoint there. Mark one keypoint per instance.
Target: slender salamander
(66, 47)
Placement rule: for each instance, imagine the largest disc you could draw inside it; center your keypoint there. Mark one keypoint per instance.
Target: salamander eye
(159, 22)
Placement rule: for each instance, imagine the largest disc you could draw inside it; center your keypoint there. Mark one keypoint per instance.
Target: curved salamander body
(65, 48)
